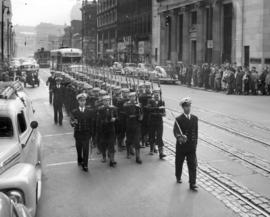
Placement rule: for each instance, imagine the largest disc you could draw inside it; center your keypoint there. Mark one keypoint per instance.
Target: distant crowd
(230, 78)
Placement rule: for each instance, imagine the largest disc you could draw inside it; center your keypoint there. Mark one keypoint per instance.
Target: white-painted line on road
(58, 134)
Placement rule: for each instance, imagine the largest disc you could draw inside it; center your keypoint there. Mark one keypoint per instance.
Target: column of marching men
(109, 113)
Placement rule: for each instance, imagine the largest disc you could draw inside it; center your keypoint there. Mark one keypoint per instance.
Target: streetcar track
(256, 165)
(230, 130)
(232, 118)
(169, 146)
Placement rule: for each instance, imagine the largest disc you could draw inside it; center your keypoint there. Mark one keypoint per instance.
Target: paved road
(150, 189)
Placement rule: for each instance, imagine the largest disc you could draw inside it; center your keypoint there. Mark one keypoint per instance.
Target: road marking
(67, 163)
(58, 134)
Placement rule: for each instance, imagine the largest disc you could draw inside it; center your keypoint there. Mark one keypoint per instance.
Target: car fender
(22, 177)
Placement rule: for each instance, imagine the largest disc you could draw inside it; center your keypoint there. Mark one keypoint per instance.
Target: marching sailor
(134, 117)
(156, 112)
(106, 117)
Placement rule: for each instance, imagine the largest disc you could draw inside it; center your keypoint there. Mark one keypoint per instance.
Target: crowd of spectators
(227, 77)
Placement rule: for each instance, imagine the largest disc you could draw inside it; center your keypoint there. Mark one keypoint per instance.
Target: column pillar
(237, 33)
(173, 37)
(186, 38)
(217, 46)
(201, 35)
(163, 40)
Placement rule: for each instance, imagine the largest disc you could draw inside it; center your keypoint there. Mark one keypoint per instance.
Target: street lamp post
(2, 30)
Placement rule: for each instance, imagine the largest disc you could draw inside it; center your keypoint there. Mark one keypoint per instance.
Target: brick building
(197, 31)
(89, 30)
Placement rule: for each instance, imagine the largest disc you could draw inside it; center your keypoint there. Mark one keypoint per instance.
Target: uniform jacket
(59, 94)
(84, 126)
(104, 120)
(188, 128)
(51, 82)
(156, 110)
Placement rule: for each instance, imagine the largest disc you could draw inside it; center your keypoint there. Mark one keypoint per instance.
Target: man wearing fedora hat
(186, 133)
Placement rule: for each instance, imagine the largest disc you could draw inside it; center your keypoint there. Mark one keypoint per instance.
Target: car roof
(13, 105)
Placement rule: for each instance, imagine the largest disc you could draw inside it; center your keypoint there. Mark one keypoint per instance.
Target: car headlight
(16, 196)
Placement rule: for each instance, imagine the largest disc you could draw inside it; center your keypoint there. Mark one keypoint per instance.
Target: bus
(64, 57)
(43, 58)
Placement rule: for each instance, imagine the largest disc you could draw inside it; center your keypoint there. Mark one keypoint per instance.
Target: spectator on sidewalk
(254, 80)
(218, 76)
(246, 81)
(267, 82)
(239, 80)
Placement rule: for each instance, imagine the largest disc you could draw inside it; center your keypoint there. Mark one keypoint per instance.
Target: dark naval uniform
(121, 123)
(144, 99)
(106, 129)
(133, 114)
(156, 112)
(51, 83)
(82, 121)
(58, 101)
(186, 150)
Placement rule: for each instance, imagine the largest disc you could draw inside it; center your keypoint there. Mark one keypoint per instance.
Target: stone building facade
(89, 31)
(213, 31)
(107, 29)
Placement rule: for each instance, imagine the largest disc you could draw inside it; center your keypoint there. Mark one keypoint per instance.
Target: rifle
(159, 85)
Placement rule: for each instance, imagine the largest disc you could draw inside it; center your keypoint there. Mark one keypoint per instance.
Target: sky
(33, 12)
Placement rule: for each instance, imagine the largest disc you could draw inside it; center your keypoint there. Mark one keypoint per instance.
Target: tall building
(107, 29)
(134, 30)
(124, 30)
(6, 30)
(89, 30)
(48, 36)
(213, 31)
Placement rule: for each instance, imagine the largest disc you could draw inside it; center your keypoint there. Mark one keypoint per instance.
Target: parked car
(30, 74)
(20, 147)
(11, 208)
(160, 75)
(144, 70)
(118, 68)
(130, 69)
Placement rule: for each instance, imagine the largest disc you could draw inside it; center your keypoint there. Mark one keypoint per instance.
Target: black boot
(161, 154)
(138, 157)
(112, 161)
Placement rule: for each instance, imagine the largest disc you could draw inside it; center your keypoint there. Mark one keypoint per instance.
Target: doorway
(246, 56)
(193, 52)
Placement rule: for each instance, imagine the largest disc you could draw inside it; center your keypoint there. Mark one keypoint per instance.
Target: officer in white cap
(186, 132)
(82, 119)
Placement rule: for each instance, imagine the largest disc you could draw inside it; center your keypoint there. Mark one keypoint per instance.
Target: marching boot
(161, 153)
(112, 161)
(128, 152)
(151, 150)
(155, 149)
(131, 151)
(104, 160)
(138, 156)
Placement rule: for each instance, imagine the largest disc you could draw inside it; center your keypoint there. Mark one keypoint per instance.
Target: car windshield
(6, 129)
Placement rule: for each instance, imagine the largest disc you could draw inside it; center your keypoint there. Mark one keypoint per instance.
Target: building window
(193, 17)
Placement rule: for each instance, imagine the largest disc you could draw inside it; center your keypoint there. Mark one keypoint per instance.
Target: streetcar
(43, 58)
(62, 58)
